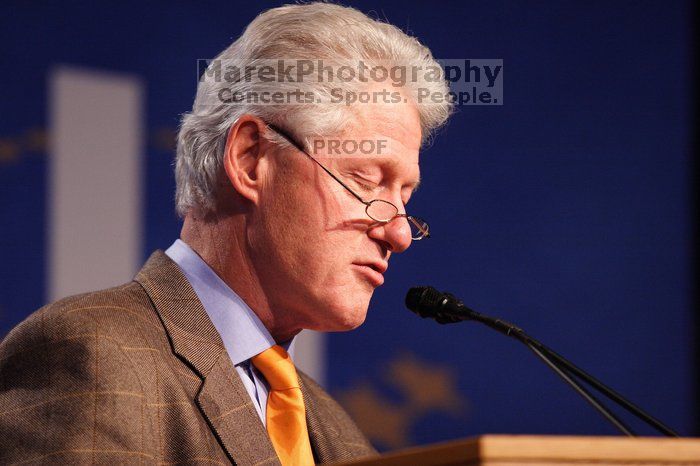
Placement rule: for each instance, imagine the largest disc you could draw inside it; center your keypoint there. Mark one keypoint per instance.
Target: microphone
(445, 308)
(426, 301)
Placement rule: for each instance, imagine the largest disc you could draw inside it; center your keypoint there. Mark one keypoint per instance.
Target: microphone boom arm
(446, 309)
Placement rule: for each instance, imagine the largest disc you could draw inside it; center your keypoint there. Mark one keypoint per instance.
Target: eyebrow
(392, 164)
(415, 186)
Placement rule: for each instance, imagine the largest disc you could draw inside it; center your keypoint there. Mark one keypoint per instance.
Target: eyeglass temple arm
(355, 195)
(301, 149)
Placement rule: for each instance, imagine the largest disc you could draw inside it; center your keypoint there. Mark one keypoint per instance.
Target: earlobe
(242, 157)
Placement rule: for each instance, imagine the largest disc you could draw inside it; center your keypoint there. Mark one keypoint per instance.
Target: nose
(395, 235)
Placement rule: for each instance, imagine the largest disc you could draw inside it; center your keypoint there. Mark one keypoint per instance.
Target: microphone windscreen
(423, 300)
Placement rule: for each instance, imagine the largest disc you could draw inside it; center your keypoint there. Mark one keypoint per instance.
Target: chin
(353, 320)
(357, 308)
(341, 318)
(335, 309)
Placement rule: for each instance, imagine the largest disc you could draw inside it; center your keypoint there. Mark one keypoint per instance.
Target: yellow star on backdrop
(426, 388)
(380, 420)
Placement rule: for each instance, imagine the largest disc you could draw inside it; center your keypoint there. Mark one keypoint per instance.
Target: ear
(243, 157)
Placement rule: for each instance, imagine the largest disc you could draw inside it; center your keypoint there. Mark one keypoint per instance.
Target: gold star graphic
(9, 150)
(426, 386)
(379, 419)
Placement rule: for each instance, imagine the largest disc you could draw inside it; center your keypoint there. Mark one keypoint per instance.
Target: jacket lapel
(334, 436)
(222, 397)
(323, 430)
(227, 406)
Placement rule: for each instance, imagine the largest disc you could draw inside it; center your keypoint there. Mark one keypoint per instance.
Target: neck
(220, 241)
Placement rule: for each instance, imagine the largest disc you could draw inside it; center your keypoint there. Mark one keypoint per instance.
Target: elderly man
(189, 363)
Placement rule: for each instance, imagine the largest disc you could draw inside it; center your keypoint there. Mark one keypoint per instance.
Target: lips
(372, 271)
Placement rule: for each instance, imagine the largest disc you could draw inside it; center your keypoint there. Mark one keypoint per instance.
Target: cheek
(308, 215)
(303, 236)
(291, 231)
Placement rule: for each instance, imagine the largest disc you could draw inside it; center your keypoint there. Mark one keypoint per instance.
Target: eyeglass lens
(384, 211)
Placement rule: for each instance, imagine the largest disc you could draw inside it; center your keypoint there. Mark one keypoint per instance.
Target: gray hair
(302, 32)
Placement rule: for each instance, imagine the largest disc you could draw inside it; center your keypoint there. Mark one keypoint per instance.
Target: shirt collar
(241, 330)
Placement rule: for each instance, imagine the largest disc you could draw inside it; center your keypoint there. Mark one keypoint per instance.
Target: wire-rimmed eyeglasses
(379, 210)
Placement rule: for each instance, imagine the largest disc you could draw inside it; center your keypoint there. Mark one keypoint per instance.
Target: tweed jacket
(138, 374)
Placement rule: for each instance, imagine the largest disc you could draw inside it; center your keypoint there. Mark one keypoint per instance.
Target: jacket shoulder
(72, 377)
(124, 312)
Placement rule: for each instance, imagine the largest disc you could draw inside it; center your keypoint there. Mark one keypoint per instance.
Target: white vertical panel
(310, 354)
(94, 233)
(95, 191)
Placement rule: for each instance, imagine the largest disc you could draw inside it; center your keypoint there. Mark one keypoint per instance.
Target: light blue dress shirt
(242, 332)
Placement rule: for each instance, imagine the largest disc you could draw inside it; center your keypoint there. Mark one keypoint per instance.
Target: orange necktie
(286, 416)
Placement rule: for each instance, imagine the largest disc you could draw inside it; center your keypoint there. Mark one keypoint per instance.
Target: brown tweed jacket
(137, 374)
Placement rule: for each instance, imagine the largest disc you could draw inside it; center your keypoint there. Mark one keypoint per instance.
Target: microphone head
(426, 301)
(423, 300)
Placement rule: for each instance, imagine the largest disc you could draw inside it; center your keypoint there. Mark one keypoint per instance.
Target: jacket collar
(222, 397)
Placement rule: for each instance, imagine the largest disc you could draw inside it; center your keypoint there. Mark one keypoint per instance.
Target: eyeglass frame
(421, 224)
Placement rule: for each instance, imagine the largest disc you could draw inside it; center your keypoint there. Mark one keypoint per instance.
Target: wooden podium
(530, 450)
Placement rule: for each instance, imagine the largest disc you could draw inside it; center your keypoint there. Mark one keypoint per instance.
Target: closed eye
(364, 183)
(366, 187)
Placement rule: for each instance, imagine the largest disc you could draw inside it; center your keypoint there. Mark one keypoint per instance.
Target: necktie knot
(277, 367)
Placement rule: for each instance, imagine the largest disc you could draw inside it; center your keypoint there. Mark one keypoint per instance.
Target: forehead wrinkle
(398, 125)
(383, 119)
(394, 132)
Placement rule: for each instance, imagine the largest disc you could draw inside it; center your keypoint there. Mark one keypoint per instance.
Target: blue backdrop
(566, 210)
